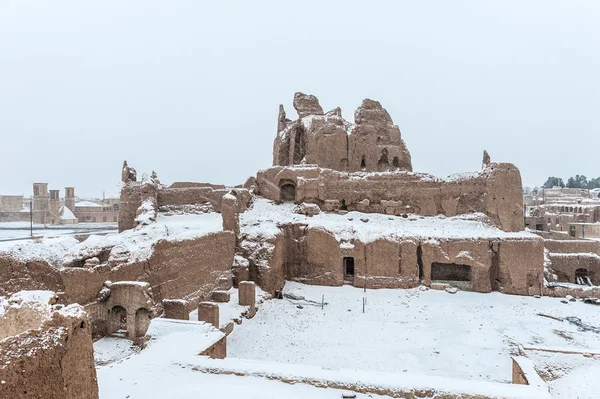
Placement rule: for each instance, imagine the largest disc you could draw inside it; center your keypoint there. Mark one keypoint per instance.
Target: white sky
(191, 89)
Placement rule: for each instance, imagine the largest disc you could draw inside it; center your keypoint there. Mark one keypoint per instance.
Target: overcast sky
(191, 88)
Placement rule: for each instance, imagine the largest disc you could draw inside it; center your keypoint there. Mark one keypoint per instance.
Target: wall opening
(420, 261)
(287, 191)
(344, 207)
(495, 270)
(117, 319)
(348, 264)
(396, 162)
(450, 272)
(383, 163)
(142, 321)
(363, 164)
(299, 145)
(284, 151)
(582, 277)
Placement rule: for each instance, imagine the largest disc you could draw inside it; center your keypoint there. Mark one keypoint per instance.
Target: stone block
(247, 293)
(208, 312)
(176, 309)
(220, 296)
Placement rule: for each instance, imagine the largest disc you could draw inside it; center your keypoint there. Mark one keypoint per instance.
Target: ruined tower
(371, 144)
(40, 202)
(70, 198)
(53, 207)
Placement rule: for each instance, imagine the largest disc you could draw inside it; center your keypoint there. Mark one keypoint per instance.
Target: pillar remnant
(247, 293)
(176, 309)
(208, 312)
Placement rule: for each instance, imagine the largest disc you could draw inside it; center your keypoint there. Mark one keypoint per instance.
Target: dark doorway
(287, 191)
(344, 207)
(299, 146)
(383, 163)
(582, 277)
(348, 268)
(363, 165)
(450, 272)
(453, 274)
(118, 321)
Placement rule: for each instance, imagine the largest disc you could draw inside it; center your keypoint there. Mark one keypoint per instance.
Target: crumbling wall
(190, 269)
(133, 195)
(16, 275)
(53, 360)
(572, 246)
(385, 264)
(373, 143)
(494, 191)
(521, 266)
(476, 254)
(312, 256)
(566, 265)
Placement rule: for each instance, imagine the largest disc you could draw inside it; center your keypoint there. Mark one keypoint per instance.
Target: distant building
(47, 207)
(98, 211)
(558, 209)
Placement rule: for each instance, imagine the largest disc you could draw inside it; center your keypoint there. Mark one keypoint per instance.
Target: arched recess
(142, 321)
(582, 276)
(384, 162)
(117, 320)
(299, 145)
(287, 190)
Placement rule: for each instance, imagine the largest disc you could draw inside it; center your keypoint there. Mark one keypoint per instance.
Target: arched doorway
(384, 162)
(117, 321)
(582, 277)
(287, 191)
(142, 321)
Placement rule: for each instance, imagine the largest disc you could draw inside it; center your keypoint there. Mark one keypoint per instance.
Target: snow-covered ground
(164, 369)
(464, 335)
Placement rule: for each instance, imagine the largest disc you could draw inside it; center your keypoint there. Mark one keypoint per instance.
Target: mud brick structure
(45, 350)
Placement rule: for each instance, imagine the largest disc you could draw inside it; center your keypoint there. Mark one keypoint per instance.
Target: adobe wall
(176, 195)
(262, 260)
(132, 196)
(495, 191)
(521, 266)
(572, 246)
(477, 254)
(54, 360)
(16, 275)
(11, 203)
(175, 269)
(314, 256)
(565, 265)
(385, 264)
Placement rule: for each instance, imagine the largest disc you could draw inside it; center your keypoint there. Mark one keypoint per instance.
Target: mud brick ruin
(340, 205)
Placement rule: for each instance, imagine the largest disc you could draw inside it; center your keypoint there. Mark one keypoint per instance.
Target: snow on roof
(86, 204)
(66, 214)
(138, 242)
(264, 217)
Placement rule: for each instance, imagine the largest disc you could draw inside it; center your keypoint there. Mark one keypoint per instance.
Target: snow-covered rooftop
(264, 217)
(87, 204)
(66, 214)
(138, 242)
